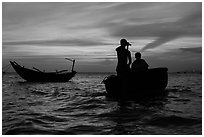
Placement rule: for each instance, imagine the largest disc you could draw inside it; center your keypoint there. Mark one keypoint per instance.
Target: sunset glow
(43, 34)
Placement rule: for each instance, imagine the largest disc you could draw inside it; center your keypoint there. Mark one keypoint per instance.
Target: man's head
(123, 42)
(138, 55)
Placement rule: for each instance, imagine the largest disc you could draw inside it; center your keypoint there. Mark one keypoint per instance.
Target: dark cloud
(158, 42)
(74, 42)
(135, 5)
(189, 25)
(192, 50)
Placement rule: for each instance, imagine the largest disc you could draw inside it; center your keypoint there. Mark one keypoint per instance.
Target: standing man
(124, 58)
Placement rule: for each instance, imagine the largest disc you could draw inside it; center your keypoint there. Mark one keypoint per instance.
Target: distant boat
(138, 84)
(35, 75)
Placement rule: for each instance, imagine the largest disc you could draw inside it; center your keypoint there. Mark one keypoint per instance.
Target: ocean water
(80, 107)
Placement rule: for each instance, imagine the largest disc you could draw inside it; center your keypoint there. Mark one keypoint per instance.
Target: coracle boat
(151, 82)
(35, 75)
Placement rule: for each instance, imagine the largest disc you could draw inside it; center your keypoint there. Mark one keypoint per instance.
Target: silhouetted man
(124, 58)
(139, 64)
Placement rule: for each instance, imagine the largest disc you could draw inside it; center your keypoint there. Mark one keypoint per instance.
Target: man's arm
(129, 58)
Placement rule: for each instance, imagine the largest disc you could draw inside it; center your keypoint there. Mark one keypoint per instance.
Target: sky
(168, 34)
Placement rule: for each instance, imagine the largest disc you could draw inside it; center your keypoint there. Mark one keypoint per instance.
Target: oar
(61, 71)
(37, 69)
(69, 59)
(72, 64)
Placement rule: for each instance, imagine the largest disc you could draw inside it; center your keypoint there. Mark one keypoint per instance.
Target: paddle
(72, 61)
(37, 69)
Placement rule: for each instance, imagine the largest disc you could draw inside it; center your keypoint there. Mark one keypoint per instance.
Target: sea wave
(81, 107)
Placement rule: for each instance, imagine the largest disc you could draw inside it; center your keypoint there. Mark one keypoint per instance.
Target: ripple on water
(81, 107)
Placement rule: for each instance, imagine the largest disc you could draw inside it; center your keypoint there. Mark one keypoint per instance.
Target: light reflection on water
(81, 107)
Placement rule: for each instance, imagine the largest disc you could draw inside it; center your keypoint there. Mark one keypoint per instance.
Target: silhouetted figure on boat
(139, 64)
(124, 58)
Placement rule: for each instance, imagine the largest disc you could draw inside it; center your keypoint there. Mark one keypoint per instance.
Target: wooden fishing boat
(35, 75)
(151, 82)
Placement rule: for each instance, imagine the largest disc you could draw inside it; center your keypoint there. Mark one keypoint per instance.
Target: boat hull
(135, 85)
(36, 76)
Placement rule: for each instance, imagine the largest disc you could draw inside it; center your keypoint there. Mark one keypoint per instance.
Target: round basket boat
(151, 82)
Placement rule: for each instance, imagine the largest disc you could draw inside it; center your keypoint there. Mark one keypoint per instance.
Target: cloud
(188, 24)
(192, 50)
(31, 21)
(56, 42)
(90, 32)
(159, 41)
